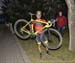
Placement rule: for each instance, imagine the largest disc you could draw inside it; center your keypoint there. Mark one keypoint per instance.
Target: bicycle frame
(32, 32)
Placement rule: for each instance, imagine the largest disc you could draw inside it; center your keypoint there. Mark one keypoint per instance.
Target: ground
(10, 50)
(62, 55)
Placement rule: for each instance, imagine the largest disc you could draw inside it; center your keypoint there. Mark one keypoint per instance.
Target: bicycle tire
(17, 24)
(56, 36)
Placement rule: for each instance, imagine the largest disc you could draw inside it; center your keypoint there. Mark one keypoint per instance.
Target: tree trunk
(71, 23)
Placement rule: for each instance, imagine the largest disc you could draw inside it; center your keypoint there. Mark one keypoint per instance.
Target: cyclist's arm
(46, 22)
(42, 21)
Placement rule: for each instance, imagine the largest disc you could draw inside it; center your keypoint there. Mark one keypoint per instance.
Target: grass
(62, 55)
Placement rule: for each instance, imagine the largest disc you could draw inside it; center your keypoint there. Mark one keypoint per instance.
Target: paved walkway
(10, 49)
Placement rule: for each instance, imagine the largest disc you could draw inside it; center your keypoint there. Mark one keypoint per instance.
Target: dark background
(11, 10)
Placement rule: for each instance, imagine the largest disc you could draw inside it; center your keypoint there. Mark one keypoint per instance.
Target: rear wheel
(17, 28)
(54, 38)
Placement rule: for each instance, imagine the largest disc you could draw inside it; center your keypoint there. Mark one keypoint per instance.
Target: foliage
(19, 8)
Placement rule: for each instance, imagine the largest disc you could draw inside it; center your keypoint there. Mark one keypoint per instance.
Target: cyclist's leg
(60, 30)
(39, 44)
(45, 41)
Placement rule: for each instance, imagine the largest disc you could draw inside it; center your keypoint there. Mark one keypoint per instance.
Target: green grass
(62, 55)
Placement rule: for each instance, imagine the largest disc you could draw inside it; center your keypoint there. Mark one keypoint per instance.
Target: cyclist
(40, 35)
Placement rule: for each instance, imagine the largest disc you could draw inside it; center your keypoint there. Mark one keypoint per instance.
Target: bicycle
(24, 30)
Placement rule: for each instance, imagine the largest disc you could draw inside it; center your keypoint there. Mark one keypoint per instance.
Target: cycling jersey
(38, 25)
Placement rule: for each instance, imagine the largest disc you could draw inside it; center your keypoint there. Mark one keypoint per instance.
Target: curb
(25, 57)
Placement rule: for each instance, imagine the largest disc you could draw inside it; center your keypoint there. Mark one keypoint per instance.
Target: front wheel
(54, 39)
(17, 28)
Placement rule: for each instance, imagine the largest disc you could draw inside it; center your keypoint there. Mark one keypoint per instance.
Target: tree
(20, 8)
(71, 23)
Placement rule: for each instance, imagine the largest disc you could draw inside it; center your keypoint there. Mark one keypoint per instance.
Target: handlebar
(53, 21)
(31, 14)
